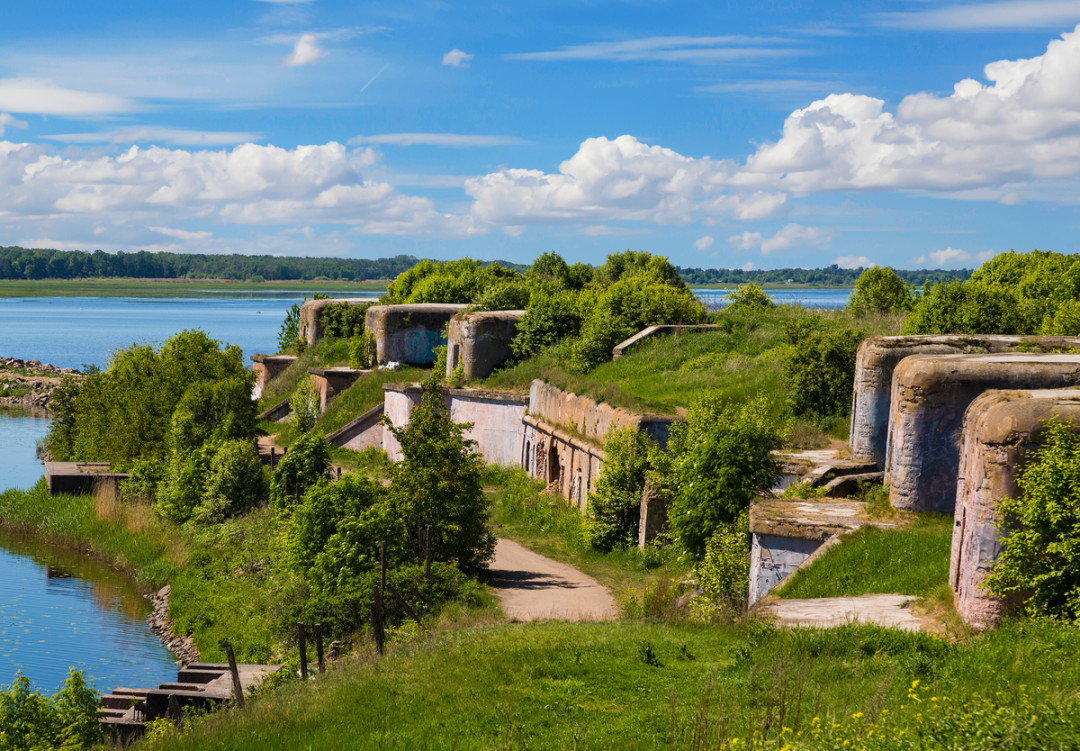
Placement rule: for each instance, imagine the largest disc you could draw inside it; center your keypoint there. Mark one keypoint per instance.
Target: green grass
(911, 560)
(742, 359)
(169, 288)
(549, 526)
(639, 685)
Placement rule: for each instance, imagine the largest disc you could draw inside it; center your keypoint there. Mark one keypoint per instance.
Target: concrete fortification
(408, 333)
(480, 342)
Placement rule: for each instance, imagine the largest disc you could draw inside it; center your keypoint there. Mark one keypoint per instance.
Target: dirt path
(532, 587)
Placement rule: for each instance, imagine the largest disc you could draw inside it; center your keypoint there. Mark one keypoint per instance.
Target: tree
(614, 507)
(437, 483)
(749, 297)
(879, 290)
(821, 372)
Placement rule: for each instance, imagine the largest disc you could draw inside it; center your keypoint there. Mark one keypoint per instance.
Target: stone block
(409, 333)
(310, 328)
(1000, 431)
(480, 342)
(267, 368)
(878, 357)
(930, 395)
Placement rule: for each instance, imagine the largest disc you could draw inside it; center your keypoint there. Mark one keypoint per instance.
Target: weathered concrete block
(785, 533)
(653, 515)
(267, 368)
(480, 342)
(1001, 429)
(651, 332)
(929, 397)
(329, 382)
(878, 357)
(408, 333)
(77, 478)
(591, 419)
(311, 314)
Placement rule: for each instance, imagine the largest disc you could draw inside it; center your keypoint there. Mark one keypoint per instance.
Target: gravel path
(532, 587)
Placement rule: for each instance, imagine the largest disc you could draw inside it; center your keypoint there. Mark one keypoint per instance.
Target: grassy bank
(174, 287)
(639, 685)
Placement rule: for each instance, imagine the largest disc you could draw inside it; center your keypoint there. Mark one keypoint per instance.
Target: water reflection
(59, 608)
(20, 430)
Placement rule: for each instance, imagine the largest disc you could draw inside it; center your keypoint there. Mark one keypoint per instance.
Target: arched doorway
(554, 468)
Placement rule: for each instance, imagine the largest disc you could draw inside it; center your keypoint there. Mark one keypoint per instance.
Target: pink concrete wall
(496, 423)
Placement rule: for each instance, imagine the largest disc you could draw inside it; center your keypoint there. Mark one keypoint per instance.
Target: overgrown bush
(550, 318)
(68, 719)
(1065, 321)
(879, 290)
(235, 482)
(1040, 556)
(614, 507)
(748, 297)
(342, 319)
(596, 341)
(724, 572)
(362, 349)
(968, 308)
(720, 459)
(821, 372)
(304, 463)
(304, 406)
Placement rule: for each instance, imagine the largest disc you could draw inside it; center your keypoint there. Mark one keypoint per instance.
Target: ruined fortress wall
(267, 368)
(591, 419)
(408, 333)
(564, 462)
(398, 402)
(496, 422)
(1001, 428)
(878, 357)
(929, 396)
(311, 313)
(480, 342)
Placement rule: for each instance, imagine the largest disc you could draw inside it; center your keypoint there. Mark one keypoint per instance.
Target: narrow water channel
(59, 608)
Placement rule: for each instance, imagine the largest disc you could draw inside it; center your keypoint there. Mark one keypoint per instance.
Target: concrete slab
(891, 611)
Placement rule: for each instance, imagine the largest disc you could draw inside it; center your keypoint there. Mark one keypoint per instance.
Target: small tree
(1040, 556)
(437, 483)
(749, 297)
(821, 372)
(879, 290)
(303, 464)
(304, 406)
(614, 507)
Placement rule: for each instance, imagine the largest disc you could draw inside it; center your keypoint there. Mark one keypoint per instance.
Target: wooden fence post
(238, 689)
(318, 647)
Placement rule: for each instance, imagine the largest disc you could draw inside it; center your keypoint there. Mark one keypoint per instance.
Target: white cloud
(1012, 198)
(306, 51)
(854, 262)
(703, 49)
(9, 121)
(748, 266)
(48, 195)
(789, 236)
(1013, 14)
(704, 242)
(158, 135)
(953, 257)
(39, 97)
(181, 234)
(453, 140)
(603, 230)
(455, 58)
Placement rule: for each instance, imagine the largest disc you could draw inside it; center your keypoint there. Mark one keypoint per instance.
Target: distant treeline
(830, 276)
(24, 263)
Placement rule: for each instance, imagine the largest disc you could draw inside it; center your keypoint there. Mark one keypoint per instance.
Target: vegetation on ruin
(660, 685)
(911, 558)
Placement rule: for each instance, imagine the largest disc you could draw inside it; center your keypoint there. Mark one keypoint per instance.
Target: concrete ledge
(589, 418)
(329, 382)
(278, 412)
(77, 478)
(650, 332)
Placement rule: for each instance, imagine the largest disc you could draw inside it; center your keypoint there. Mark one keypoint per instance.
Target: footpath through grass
(640, 685)
(912, 559)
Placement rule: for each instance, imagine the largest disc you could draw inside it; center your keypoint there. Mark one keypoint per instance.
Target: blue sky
(757, 135)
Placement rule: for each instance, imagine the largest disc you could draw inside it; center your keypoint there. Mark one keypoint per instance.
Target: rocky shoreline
(182, 647)
(30, 383)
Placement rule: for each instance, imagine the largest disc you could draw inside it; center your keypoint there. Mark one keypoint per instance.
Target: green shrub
(509, 296)
(304, 463)
(879, 290)
(614, 508)
(181, 489)
(289, 334)
(596, 342)
(213, 410)
(968, 308)
(235, 482)
(68, 719)
(304, 406)
(821, 372)
(1040, 556)
(724, 572)
(342, 319)
(550, 318)
(721, 458)
(362, 349)
(1065, 321)
(438, 483)
(748, 297)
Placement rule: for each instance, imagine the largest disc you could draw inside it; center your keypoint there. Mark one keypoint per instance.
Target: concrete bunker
(329, 382)
(311, 328)
(267, 368)
(1001, 429)
(878, 357)
(929, 398)
(409, 333)
(480, 342)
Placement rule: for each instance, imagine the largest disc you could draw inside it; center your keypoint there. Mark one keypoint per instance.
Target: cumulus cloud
(452, 140)
(854, 262)
(952, 257)
(33, 96)
(47, 194)
(704, 242)
(306, 51)
(1023, 125)
(455, 58)
(8, 121)
(789, 236)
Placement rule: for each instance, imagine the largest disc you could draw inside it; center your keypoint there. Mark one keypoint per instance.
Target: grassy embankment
(173, 287)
